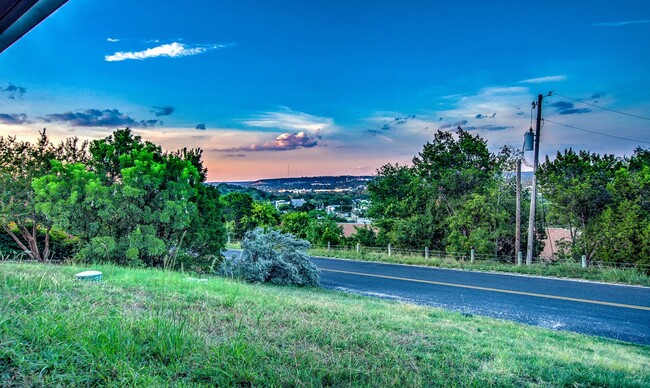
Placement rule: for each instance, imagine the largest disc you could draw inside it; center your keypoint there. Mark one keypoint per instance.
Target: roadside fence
(426, 254)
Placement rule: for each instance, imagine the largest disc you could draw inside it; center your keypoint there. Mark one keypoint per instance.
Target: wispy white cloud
(288, 119)
(171, 50)
(112, 40)
(619, 24)
(550, 78)
(385, 122)
(501, 103)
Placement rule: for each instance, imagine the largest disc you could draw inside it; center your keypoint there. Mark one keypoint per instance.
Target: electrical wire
(602, 107)
(522, 156)
(548, 231)
(598, 133)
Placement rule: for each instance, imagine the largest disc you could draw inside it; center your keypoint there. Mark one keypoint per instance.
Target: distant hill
(261, 188)
(258, 195)
(317, 183)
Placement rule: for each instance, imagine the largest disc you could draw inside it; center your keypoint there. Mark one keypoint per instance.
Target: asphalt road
(614, 311)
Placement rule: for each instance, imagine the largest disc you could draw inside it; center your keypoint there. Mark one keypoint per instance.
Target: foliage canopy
(126, 200)
(454, 196)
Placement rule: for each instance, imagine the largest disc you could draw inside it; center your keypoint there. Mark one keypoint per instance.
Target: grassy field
(565, 270)
(154, 328)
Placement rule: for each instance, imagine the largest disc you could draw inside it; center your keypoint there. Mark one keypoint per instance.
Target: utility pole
(518, 214)
(533, 194)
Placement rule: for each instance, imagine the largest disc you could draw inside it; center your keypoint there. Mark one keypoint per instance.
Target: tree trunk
(46, 244)
(29, 243)
(31, 240)
(16, 239)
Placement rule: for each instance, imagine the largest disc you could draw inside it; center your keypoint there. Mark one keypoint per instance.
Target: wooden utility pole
(533, 194)
(518, 214)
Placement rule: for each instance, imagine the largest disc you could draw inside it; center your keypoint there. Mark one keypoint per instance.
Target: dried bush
(269, 256)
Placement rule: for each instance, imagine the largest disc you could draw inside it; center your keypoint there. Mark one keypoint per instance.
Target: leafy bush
(62, 246)
(7, 245)
(270, 256)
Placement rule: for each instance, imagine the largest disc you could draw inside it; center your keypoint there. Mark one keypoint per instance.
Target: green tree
(475, 224)
(621, 231)
(323, 229)
(134, 204)
(620, 234)
(207, 232)
(455, 166)
(20, 163)
(365, 236)
(576, 186)
(455, 195)
(401, 210)
(577, 183)
(263, 215)
(73, 197)
(237, 206)
(296, 223)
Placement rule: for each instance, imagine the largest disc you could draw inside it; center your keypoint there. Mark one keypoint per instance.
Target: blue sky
(270, 89)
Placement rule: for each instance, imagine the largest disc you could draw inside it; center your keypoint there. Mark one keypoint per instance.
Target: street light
(528, 140)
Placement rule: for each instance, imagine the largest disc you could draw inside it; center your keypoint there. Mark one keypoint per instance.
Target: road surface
(614, 311)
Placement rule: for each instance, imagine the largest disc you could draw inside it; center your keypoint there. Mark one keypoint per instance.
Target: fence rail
(468, 256)
(465, 256)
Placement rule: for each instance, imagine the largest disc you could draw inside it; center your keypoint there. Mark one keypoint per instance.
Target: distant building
(332, 208)
(297, 202)
(349, 229)
(280, 203)
(553, 237)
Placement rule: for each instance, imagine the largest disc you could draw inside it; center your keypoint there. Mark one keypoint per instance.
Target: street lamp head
(528, 140)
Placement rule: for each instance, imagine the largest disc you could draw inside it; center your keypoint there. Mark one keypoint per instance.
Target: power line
(597, 133)
(602, 107)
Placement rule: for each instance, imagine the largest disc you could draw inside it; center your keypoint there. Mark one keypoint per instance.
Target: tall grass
(158, 328)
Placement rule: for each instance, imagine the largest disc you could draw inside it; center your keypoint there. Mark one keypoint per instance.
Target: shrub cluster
(269, 256)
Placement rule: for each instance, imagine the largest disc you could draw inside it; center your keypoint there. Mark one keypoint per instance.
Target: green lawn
(154, 328)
